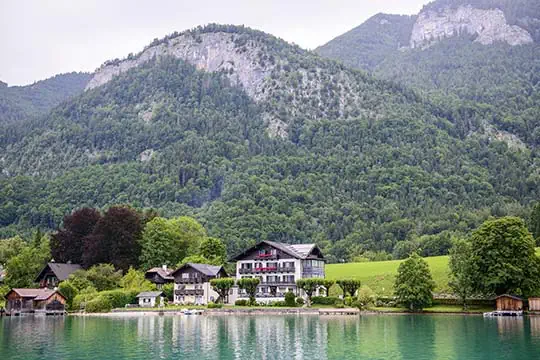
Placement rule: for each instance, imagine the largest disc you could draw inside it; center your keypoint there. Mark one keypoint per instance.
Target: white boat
(503, 313)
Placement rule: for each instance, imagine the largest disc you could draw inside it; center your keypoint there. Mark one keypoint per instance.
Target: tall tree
(504, 258)
(414, 285)
(534, 223)
(222, 287)
(23, 268)
(462, 272)
(67, 244)
(167, 242)
(250, 286)
(214, 249)
(115, 239)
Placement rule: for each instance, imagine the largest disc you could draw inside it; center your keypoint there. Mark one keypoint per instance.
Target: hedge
(99, 304)
(325, 300)
(241, 303)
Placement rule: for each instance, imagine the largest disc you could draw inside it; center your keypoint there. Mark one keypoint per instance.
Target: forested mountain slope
(482, 53)
(20, 102)
(362, 164)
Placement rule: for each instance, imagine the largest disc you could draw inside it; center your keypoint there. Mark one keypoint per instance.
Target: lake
(270, 337)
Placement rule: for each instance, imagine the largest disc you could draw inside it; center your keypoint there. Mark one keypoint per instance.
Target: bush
(340, 306)
(241, 303)
(279, 304)
(289, 299)
(325, 300)
(99, 304)
(84, 295)
(300, 301)
(69, 291)
(212, 305)
(120, 298)
(348, 300)
(366, 297)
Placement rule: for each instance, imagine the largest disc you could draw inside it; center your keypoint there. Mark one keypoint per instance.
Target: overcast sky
(41, 38)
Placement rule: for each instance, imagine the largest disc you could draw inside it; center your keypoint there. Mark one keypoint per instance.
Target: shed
(534, 304)
(34, 300)
(149, 298)
(509, 303)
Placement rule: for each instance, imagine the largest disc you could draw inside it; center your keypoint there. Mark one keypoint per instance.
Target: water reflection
(270, 337)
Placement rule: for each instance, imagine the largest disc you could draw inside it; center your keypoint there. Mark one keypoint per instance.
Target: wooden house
(534, 304)
(44, 301)
(192, 283)
(159, 276)
(509, 303)
(53, 273)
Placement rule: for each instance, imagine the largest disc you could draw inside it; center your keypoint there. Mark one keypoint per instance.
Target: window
(185, 275)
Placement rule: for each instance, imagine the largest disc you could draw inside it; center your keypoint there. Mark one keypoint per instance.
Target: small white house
(149, 298)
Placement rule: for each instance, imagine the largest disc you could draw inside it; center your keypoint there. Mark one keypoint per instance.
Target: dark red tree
(67, 244)
(115, 239)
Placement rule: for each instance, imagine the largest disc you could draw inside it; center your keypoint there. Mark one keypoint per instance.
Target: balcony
(277, 283)
(278, 269)
(267, 256)
(191, 281)
(189, 292)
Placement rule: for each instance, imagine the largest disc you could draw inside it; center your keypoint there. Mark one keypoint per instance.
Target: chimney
(164, 267)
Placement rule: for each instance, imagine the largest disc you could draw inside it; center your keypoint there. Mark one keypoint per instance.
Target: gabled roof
(208, 270)
(150, 294)
(165, 274)
(509, 296)
(36, 294)
(298, 251)
(61, 270)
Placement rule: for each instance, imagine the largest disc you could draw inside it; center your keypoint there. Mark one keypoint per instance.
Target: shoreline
(274, 312)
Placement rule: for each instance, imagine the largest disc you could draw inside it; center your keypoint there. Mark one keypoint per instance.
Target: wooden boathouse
(35, 301)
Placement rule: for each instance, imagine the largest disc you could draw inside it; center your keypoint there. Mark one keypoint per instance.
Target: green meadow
(380, 275)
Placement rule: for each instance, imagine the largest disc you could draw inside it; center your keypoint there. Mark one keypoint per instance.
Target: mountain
(260, 139)
(481, 52)
(19, 102)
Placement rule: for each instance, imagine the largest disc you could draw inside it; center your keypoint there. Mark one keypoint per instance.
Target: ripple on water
(269, 337)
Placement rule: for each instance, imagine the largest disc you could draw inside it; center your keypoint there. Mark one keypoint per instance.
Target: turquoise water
(269, 337)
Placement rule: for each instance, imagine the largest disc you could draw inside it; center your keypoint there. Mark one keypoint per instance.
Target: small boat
(191, 311)
(503, 313)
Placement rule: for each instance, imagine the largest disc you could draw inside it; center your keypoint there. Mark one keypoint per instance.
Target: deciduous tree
(414, 285)
(504, 258)
(222, 287)
(462, 272)
(250, 286)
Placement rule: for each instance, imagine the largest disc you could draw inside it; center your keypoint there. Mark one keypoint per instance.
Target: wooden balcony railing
(278, 269)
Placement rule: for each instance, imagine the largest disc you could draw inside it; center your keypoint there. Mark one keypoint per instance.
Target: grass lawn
(380, 275)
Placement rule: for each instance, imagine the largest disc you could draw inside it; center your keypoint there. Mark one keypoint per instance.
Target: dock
(348, 311)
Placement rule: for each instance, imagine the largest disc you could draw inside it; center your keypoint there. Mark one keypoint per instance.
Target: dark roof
(509, 296)
(150, 294)
(298, 251)
(36, 294)
(61, 270)
(208, 270)
(165, 274)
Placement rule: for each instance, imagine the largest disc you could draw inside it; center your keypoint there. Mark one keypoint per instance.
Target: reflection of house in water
(510, 325)
(535, 326)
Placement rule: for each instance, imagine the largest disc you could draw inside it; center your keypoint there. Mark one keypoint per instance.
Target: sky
(42, 38)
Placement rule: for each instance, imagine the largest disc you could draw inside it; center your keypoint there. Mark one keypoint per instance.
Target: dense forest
(406, 169)
(21, 102)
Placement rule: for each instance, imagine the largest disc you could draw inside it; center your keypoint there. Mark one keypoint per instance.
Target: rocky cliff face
(210, 52)
(291, 82)
(488, 25)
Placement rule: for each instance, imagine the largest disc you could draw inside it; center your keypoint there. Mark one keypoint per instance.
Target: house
(44, 301)
(192, 283)
(534, 304)
(278, 266)
(150, 298)
(509, 303)
(159, 276)
(53, 273)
